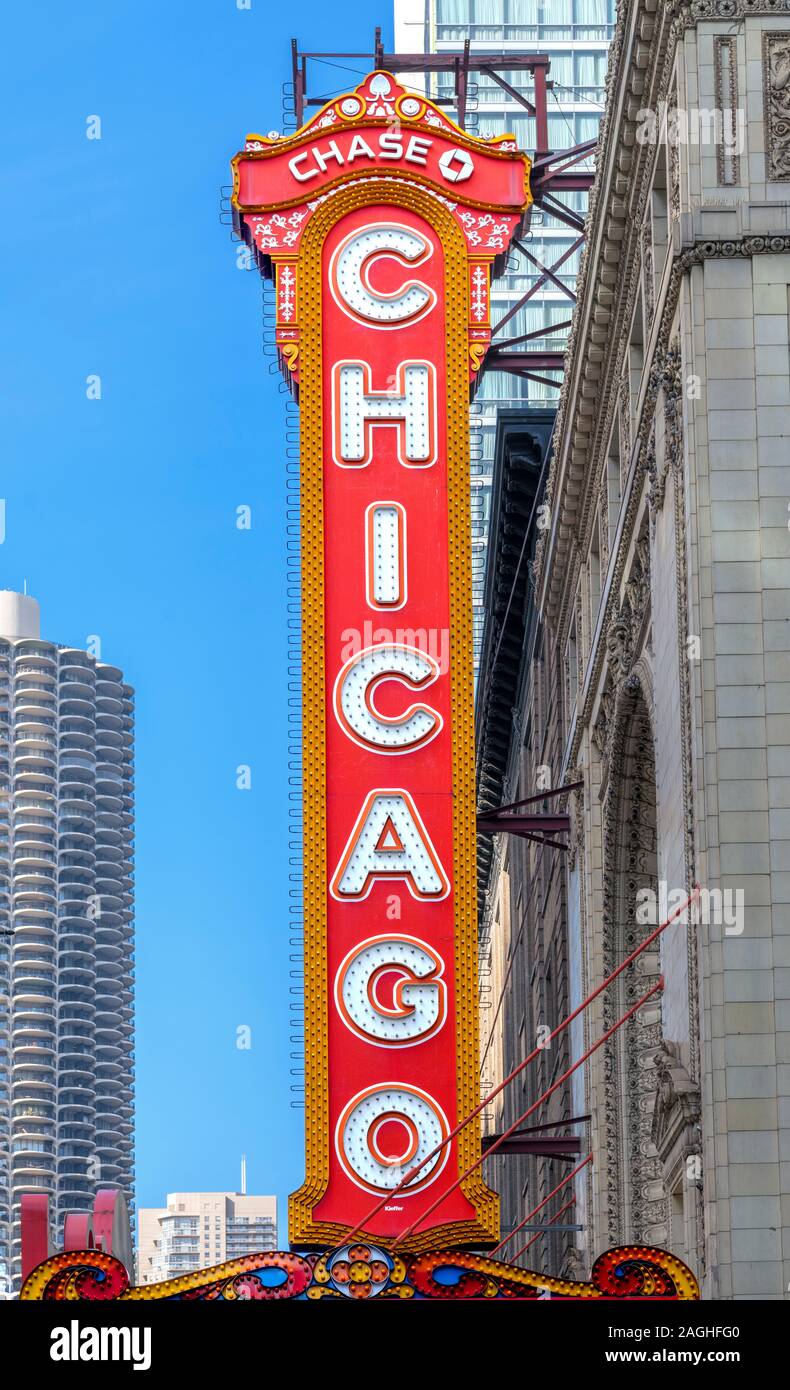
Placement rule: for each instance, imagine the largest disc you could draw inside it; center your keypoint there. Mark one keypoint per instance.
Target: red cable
(418, 1167)
(538, 1234)
(507, 1133)
(541, 1205)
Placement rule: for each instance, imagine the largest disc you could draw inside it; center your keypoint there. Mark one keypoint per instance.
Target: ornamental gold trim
(303, 1229)
(362, 1272)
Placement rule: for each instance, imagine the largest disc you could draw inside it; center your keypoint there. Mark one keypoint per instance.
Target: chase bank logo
(456, 166)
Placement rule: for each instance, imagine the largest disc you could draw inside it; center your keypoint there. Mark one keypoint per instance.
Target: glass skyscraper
(575, 34)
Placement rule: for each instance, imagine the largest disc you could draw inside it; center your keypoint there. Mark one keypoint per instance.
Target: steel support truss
(530, 825)
(554, 172)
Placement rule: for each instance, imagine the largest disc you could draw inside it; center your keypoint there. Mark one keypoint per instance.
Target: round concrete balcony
(34, 926)
(74, 705)
(33, 987)
(77, 804)
(30, 854)
(35, 763)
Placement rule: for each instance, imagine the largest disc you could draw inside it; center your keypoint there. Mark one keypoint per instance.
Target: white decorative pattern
(484, 230)
(279, 231)
(479, 294)
(287, 300)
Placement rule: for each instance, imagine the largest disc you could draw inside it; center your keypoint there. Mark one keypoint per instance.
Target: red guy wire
(563, 1183)
(418, 1167)
(506, 1135)
(538, 1234)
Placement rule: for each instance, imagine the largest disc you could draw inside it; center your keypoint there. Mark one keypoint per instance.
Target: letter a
(389, 841)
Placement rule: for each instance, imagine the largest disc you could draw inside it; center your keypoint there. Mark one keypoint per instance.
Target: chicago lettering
(389, 990)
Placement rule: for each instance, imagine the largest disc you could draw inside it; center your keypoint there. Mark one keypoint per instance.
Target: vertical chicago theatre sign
(380, 223)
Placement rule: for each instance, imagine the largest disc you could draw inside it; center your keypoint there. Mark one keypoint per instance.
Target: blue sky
(120, 514)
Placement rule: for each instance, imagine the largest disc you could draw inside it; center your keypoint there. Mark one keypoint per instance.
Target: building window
(572, 671)
(487, 19)
(613, 481)
(594, 575)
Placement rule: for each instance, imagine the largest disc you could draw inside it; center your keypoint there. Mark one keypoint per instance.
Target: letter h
(358, 409)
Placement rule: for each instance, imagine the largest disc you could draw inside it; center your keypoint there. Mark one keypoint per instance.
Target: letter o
(384, 1131)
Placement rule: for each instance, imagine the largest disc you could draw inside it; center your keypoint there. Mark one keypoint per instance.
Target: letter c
(293, 163)
(355, 689)
(349, 276)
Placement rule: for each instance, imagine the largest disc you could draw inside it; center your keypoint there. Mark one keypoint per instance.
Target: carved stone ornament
(600, 730)
(692, 12)
(648, 265)
(673, 151)
(635, 1197)
(618, 647)
(776, 82)
(677, 1109)
(637, 589)
(576, 809)
(670, 384)
(625, 427)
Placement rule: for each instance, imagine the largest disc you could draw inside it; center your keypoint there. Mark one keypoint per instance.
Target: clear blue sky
(121, 513)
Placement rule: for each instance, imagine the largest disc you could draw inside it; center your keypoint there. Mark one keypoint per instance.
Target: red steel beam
(445, 62)
(548, 824)
(503, 360)
(513, 91)
(548, 271)
(548, 332)
(538, 796)
(569, 1147)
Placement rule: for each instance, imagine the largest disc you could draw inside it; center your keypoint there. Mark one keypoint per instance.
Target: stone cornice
(635, 80)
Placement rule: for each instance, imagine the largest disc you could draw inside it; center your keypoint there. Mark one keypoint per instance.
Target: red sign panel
(390, 912)
(382, 310)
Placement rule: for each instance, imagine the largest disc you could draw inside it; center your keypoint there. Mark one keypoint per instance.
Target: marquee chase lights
(381, 223)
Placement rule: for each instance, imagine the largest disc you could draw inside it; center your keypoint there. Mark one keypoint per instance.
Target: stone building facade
(660, 676)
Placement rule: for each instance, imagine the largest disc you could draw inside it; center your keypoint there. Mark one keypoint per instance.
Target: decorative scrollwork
(362, 1272)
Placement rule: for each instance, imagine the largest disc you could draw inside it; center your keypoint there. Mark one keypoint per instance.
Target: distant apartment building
(199, 1229)
(576, 36)
(66, 926)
